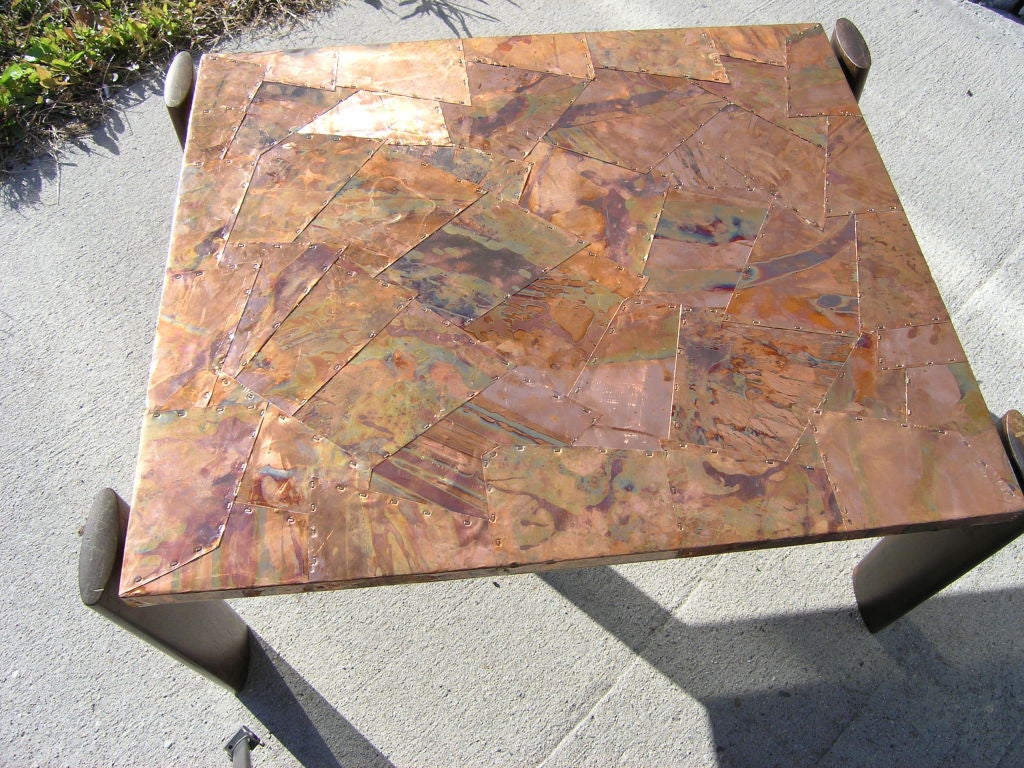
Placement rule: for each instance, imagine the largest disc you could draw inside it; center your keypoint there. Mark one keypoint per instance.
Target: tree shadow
(455, 16)
(817, 689)
(299, 717)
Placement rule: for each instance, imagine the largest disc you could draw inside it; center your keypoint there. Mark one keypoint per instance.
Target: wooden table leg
(853, 54)
(207, 636)
(903, 571)
(178, 88)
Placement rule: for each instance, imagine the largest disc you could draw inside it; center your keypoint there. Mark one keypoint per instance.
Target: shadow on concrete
(817, 689)
(455, 16)
(300, 718)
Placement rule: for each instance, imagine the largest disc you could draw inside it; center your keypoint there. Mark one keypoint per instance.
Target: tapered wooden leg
(853, 54)
(903, 571)
(207, 636)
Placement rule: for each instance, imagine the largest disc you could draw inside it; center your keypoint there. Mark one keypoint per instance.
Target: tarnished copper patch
(433, 69)
(673, 52)
(907, 347)
(293, 182)
(413, 373)
(224, 87)
(766, 44)
(190, 465)
(857, 181)
(490, 251)
(864, 389)
(614, 209)
(817, 85)
(554, 54)
(339, 315)
(592, 503)
(633, 119)
(896, 284)
(503, 177)
(512, 108)
(312, 68)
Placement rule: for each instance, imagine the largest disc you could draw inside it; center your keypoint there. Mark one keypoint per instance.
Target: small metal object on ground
(852, 53)
(179, 85)
(903, 571)
(207, 636)
(240, 745)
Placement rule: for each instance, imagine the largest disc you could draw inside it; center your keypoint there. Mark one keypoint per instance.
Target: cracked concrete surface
(751, 659)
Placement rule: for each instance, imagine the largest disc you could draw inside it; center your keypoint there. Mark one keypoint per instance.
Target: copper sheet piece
(209, 196)
(190, 464)
(364, 538)
(337, 318)
(501, 176)
(614, 209)
(292, 467)
(390, 205)
(413, 373)
(703, 241)
(275, 111)
(727, 501)
(896, 284)
(766, 44)
(224, 87)
(631, 119)
(817, 85)
(746, 389)
(890, 476)
(773, 158)
(919, 345)
(512, 108)
(395, 119)
(697, 163)
(761, 89)
(312, 68)
(946, 397)
(433, 69)
(554, 54)
(487, 253)
(617, 439)
(812, 290)
(293, 182)
(549, 329)
(261, 547)
(434, 474)
(227, 391)
(198, 312)
(591, 503)
(673, 52)
(286, 274)
(629, 377)
(862, 388)
(857, 181)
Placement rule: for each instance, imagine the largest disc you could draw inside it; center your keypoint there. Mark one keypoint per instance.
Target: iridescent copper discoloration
(458, 308)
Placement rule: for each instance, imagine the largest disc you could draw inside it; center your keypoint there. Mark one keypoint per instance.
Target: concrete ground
(755, 659)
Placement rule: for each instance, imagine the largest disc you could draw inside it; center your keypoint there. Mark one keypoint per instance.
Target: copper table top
(461, 307)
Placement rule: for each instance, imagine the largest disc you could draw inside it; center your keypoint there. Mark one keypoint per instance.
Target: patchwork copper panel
(896, 284)
(614, 209)
(677, 53)
(395, 119)
(275, 111)
(815, 289)
(633, 119)
(390, 205)
(433, 69)
(891, 476)
(337, 318)
(709, 326)
(490, 251)
(554, 54)
(512, 108)
(749, 390)
(628, 379)
(413, 373)
(593, 503)
(857, 181)
(817, 85)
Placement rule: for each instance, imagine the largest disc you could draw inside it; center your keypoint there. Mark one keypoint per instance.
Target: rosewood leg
(207, 636)
(178, 88)
(852, 52)
(903, 571)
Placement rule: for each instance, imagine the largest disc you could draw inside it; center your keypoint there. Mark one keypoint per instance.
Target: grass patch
(61, 61)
